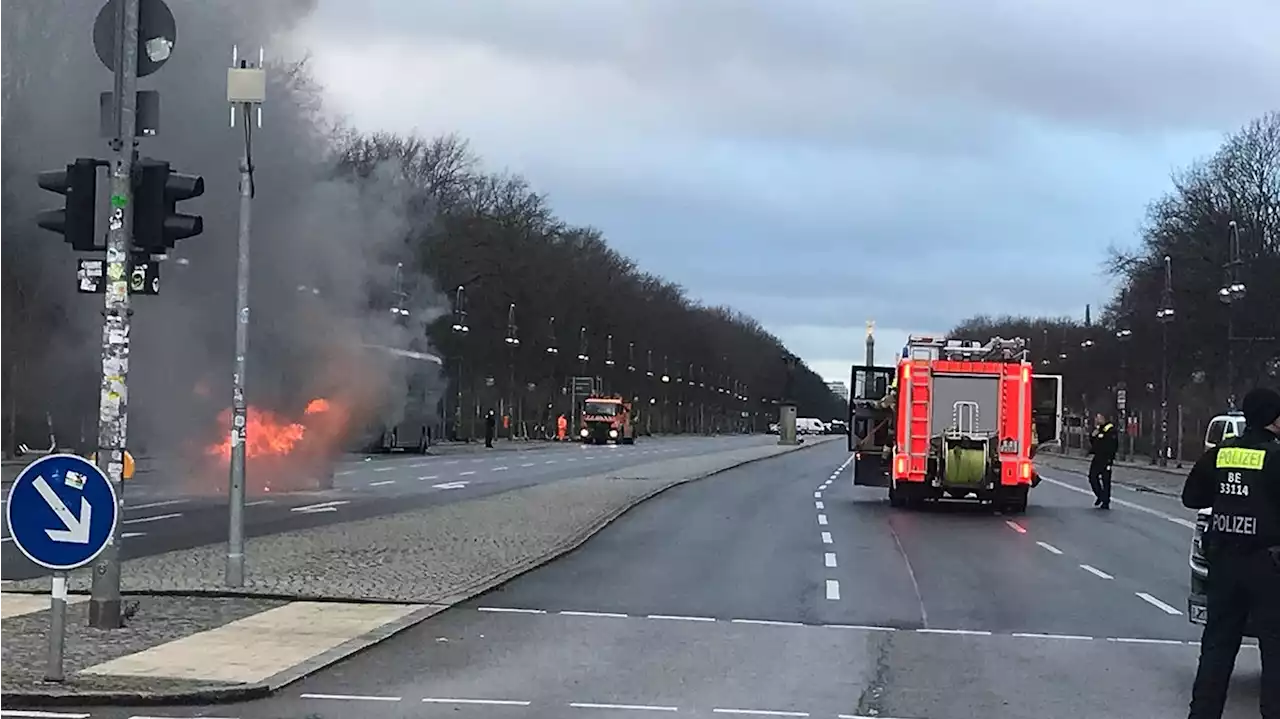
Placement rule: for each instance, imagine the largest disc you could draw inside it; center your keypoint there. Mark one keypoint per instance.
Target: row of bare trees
(565, 295)
(1196, 317)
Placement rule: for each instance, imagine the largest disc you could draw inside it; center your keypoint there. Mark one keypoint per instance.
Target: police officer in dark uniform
(1240, 480)
(1104, 445)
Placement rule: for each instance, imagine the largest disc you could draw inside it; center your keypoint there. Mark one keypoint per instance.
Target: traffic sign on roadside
(62, 512)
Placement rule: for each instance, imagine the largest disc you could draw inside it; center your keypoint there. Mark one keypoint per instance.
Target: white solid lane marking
(1190, 524)
(384, 469)
(833, 589)
(156, 518)
(1050, 547)
(509, 610)
(862, 627)
(829, 559)
(427, 477)
(129, 535)
(1015, 526)
(26, 714)
(681, 618)
(487, 702)
(1096, 572)
(961, 632)
(1157, 603)
(383, 483)
(257, 502)
(150, 505)
(350, 697)
(501, 469)
(826, 538)
(629, 707)
(766, 622)
(760, 712)
(1033, 635)
(465, 474)
(611, 615)
(819, 505)
(822, 519)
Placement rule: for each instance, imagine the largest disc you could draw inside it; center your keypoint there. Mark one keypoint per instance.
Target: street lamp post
(1231, 292)
(513, 343)
(460, 329)
(1123, 334)
(1165, 316)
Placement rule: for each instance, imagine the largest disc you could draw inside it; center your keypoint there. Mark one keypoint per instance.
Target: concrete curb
(259, 690)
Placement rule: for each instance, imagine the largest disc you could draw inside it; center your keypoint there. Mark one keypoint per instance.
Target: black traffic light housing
(157, 224)
(75, 222)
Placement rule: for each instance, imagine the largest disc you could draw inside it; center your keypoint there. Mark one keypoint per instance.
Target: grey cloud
(813, 65)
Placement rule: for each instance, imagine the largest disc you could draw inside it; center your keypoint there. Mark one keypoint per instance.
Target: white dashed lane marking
(826, 538)
(1015, 526)
(760, 712)
(1157, 603)
(350, 697)
(156, 518)
(486, 702)
(937, 631)
(822, 519)
(383, 483)
(1050, 547)
(1096, 572)
(819, 505)
(829, 559)
(833, 589)
(384, 469)
(625, 707)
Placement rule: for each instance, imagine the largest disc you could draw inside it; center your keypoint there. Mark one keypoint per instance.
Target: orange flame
(266, 434)
(317, 406)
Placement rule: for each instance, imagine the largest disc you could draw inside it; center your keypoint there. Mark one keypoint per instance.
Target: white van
(808, 425)
(1224, 426)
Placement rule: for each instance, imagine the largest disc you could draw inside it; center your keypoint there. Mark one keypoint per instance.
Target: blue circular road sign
(62, 511)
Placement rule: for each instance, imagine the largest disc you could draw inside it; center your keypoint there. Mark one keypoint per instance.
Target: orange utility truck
(607, 419)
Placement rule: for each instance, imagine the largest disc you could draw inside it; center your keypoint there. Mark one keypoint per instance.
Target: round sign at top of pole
(157, 35)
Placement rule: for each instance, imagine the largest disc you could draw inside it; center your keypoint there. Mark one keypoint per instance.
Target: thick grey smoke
(325, 250)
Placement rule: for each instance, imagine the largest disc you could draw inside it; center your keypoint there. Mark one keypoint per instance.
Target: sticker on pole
(62, 512)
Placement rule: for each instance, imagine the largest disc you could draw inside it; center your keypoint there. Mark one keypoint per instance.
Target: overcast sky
(819, 163)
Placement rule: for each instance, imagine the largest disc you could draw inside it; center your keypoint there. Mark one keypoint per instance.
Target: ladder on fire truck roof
(998, 349)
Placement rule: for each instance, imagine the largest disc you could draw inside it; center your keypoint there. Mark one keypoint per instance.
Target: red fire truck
(964, 423)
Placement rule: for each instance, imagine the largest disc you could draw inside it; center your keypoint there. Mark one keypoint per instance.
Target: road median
(333, 581)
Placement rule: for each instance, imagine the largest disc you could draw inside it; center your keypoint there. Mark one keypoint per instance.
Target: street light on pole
(513, 343)
(460, 330)
(1165, 316)
(1231, 292)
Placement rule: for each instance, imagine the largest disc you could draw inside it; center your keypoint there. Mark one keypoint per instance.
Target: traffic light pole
(113, 398)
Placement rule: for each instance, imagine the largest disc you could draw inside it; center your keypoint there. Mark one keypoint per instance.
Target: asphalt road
(779, 589)
(160, 518)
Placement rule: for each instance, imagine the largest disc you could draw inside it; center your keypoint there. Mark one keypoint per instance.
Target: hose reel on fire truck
(964, 462)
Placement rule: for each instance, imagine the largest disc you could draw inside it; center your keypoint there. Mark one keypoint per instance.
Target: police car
(1224, 426)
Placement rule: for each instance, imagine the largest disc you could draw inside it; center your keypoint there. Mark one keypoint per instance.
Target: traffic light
(75, 222)
(157, 224)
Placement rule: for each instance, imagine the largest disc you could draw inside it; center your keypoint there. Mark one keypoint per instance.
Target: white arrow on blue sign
(62, 511)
